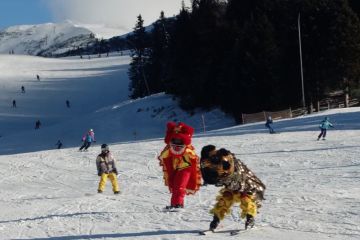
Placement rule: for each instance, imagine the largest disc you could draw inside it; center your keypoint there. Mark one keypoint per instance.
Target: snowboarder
(59, 144)
(67, 103)
(22, 89)
(268, 123)
(14, 103)
(37, 124)
(87, 138)
(324, 126)
(180, 164)
(106, 168)
(240, 185)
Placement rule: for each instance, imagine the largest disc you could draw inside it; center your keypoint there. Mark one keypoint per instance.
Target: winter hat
(104, 147)
(178, 131)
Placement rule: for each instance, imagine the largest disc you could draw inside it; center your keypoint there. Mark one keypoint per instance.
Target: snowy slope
(313, 187)
(97, 89)
(45, 39)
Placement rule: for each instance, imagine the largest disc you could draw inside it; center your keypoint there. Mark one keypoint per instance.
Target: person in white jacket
(106, 168)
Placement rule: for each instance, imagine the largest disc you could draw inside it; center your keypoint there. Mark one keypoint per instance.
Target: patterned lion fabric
(243, 180)
(222, 168)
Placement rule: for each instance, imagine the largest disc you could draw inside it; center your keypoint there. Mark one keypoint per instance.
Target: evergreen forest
(244, 56)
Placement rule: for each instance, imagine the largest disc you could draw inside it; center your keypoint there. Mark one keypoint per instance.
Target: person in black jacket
(268, 123)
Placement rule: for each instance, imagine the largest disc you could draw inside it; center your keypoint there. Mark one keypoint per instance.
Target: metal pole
(203, 122)
(301, 66)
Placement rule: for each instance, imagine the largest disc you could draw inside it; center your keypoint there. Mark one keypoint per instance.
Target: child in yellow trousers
(240, 185)
(105, 164)
(226, 199)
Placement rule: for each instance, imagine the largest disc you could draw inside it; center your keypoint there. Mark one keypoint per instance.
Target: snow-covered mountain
(47, 39)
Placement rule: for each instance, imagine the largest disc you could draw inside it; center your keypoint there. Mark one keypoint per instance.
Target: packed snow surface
(313, 187)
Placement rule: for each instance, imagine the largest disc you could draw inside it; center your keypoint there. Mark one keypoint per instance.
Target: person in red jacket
(180, 164)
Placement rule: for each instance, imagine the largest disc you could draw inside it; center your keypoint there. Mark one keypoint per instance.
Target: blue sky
(119, 13)
(19, 12)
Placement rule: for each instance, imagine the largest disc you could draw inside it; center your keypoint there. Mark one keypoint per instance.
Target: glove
(99, 174)
(115, 171)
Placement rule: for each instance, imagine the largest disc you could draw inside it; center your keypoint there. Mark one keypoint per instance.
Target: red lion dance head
(179, 131)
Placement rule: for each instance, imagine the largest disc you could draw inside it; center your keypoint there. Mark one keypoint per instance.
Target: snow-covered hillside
(97, 89)
(312, 186)
(44, 39)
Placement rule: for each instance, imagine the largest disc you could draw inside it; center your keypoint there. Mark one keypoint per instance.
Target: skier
(37, 124)
(106, 168)
(240, 185)
(67, 103)
(38, 77)
(14, 103)
(180, 164)
(87, 138)
(324, 126)
(22, 89)
(59, 144)
(268, 123)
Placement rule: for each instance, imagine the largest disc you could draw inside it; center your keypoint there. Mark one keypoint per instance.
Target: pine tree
(138, 42)
(331, 38)
(157, 62)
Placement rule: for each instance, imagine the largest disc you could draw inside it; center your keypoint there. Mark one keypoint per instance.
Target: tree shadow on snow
(115, 235)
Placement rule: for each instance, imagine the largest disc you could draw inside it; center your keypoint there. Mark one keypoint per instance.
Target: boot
(250, 221)
(215, 222)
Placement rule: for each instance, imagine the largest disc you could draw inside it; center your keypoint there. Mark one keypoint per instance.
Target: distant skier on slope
(324, 126)
(240, 185)
(59, 144)
(87, 139)
(37, 124)
(180, 164)
(268, 123)
(106, 168)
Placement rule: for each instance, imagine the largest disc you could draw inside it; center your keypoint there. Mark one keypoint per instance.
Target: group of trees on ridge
(243, 56)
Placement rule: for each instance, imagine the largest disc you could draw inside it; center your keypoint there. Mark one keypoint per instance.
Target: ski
(238, 231)
(232, 232)
(205, 232)
(168, 210)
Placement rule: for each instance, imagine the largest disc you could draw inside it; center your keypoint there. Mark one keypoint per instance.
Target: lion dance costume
(240, 185)
(180, 164)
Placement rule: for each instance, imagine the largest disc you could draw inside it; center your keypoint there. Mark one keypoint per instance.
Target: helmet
(104, 147)
(91, 130)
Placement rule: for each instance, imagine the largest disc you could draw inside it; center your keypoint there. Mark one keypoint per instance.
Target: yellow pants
(113, 179)
(227, 198)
